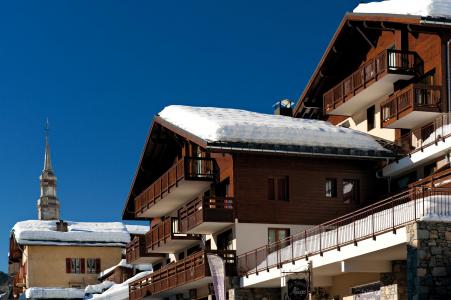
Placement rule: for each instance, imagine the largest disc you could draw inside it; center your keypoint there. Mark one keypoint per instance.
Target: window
(225, 240)
(351, 191)
(75, 265)
(370, 113)
(331, 187)
(93, 265)
(275, 235)
(278, 188)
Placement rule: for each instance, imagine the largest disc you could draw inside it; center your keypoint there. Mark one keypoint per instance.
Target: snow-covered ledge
(418, 158)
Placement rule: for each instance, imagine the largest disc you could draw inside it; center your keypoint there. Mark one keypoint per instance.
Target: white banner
(217, 271)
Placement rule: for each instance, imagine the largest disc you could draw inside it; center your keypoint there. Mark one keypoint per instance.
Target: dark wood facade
(307, 202)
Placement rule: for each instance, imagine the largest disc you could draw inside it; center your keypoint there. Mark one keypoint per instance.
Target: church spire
(47, 158)
(48, 204)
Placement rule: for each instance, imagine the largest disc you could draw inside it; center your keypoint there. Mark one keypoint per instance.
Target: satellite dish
(285, 103)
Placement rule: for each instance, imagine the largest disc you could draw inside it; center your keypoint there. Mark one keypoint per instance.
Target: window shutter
(82, 267)
(68, 265)
(282, 188)
(97, 265)
(271, 191)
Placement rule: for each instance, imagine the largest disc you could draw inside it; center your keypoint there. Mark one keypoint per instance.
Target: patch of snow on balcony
(425, 8)
(234, 125)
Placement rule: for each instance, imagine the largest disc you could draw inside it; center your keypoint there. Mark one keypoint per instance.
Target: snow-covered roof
(98, 288)
(137, 229)
(54, 293)
(225, 125)
(38, 232)
(123, 263)
(424, 8)
(119, 291)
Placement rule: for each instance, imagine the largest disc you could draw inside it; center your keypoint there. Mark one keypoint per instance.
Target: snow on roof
(234, 125)
(137, 229)
(38, 232)
(98, 288)
(119, 291)
(123, 263)
(54, 293)
(425, 8)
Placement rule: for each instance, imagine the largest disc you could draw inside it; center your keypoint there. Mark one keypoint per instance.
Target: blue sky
(100, 70)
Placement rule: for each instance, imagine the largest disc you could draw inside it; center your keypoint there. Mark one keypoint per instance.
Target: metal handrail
(362, 224)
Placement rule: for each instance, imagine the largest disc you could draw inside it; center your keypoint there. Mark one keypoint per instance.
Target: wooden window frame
(70, 269)
(356, 191)
(274, 186)
(96, 269)
(371, 113)
(277, 237)
(333, 189)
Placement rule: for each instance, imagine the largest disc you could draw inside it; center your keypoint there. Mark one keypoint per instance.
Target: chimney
(283, 108)
(61, 226)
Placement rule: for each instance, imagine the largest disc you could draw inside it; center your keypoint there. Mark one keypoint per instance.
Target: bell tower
(48, 203)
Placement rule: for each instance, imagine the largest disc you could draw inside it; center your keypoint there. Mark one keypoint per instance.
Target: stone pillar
(394, 284)
(429, 260)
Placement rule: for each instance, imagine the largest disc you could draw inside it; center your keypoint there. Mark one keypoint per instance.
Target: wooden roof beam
(362, 34)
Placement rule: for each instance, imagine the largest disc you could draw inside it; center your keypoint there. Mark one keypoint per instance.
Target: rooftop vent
(61, 226)
(283, 108)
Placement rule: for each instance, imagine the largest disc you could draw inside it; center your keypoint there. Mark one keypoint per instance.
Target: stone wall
(429, 260)
(394, 284)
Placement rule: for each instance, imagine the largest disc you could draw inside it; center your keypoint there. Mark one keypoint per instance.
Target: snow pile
(119, 291)
(123, 263)
(234, 125)
(37, 232)
(425, 8)
(98, 288)
(137, 229)
(54, 293)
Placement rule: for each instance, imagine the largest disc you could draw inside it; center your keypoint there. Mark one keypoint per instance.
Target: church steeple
(48, 204)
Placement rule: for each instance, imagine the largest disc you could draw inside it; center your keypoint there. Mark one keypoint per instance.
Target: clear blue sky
(100, 70)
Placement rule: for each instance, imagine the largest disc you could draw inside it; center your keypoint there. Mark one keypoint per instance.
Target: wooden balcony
(371, 81)
(165, 237)
(189, 177)
(413, 105)
(428, 135)
(136, 252)
(188, 273)
(207, 215)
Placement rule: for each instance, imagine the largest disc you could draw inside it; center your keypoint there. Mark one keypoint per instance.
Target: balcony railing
(415, 97)
(369, 222)
(136, 252)
(206, 209)
(388, 61)
(188, 168)
(428, 135)
(164, 232)
(187, 270)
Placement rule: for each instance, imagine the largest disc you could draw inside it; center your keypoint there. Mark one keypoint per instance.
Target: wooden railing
(135, 249)
(413, 97)
(206, 209)
(188, 168)
(388, 61)
(189, 269)
(439, 179)
(369, 222)
(423, 137)
(164, 231)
